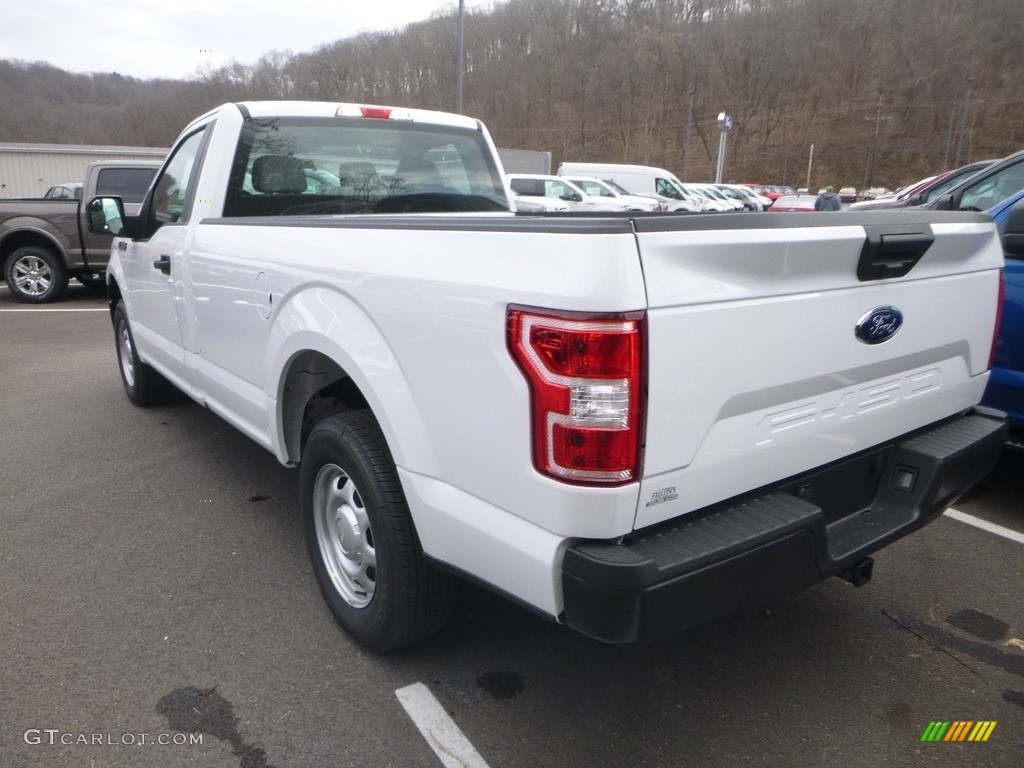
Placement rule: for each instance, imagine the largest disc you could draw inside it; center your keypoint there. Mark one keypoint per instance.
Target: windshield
(990, 191)
(712, 192)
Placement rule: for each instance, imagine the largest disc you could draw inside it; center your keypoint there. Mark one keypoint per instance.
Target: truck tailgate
(756, 370)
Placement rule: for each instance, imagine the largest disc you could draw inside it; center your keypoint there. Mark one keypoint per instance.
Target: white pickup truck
(630, 423)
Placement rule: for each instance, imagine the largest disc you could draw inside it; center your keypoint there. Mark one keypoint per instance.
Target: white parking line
(985, 525)
(57, 309)
(440, 731)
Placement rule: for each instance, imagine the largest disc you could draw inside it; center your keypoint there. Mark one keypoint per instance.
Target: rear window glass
(328, 166)
(130, 184)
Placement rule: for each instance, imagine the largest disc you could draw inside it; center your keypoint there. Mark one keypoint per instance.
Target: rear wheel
(36, 274)
(142, 384)
(360, 536)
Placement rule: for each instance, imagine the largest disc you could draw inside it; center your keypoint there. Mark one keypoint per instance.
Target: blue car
(1006, 386)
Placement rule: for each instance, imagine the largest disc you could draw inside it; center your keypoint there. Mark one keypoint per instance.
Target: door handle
(163, 264)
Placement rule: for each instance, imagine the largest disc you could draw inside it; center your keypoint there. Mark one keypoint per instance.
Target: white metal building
(28, 170)
(525, 161)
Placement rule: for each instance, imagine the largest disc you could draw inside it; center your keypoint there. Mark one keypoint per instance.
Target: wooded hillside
(878, 86)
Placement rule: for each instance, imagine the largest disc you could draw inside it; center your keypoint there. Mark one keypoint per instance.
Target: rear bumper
(747, 551)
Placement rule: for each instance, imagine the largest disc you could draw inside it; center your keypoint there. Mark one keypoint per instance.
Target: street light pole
(458, 100)
(949, 137)
(810, 163)
(963, 120)
(724, 125)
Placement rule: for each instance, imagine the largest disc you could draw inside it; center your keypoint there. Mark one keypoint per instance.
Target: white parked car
(639, 180)
(708, 202)
(540, 188)
(751, 200)
(548, 205)
(664, 203)
(712, 192)
(598, 188)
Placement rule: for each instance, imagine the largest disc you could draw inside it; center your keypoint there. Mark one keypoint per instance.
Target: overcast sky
(175, 38)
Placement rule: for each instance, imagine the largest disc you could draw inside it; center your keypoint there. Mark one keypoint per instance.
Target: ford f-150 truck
(630, 423)
(45, 241)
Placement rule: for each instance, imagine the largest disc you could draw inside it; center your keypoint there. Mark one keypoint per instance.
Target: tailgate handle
(892, 251)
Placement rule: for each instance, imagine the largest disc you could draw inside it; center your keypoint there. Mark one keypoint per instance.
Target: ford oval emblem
(878, 325)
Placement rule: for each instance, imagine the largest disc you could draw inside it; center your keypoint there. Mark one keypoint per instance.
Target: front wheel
(360, 536)
(36, 274)
(142, 384)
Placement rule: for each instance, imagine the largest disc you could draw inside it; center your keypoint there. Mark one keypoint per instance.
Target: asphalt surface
(154, 580)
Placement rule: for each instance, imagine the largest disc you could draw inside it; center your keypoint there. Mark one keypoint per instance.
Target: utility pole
(877, 120)
(686, 146)
(963, 119)
(458, 98)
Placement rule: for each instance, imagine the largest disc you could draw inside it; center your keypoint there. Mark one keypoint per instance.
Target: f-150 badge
(878, 325)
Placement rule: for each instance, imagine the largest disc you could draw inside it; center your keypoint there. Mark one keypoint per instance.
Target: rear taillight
(999, 319)
(586, 379)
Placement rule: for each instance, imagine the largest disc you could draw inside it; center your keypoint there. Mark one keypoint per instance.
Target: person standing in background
(828, 201)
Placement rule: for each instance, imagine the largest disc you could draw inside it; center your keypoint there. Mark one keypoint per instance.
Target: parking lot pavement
(158, 610)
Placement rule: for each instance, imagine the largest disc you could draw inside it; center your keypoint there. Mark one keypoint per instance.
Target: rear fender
(20, 231)
(331, 325)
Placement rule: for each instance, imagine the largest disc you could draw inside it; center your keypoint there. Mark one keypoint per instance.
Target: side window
(130, 184)
(523, 186)
(665, 188)
(171, 200)
(556, 189)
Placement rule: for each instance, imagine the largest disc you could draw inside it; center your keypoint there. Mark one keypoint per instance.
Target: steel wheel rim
(127, 359)
(32, 275)
(344, 536)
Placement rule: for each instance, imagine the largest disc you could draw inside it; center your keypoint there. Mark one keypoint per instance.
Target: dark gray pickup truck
(46, 241)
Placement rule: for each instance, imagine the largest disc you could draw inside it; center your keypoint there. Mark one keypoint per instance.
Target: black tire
(96, 282)
(361, 540)
(143, 385)
(35, 274)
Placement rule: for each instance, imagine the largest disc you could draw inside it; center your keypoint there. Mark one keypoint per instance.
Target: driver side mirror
(106, 217)
(1013, 235)
(944, 203)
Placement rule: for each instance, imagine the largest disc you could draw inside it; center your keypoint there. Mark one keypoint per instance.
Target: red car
(788, 203)
(771, 191)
